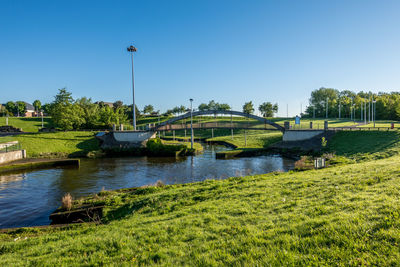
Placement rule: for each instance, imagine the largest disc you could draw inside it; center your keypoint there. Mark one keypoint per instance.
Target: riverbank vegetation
(345, 215)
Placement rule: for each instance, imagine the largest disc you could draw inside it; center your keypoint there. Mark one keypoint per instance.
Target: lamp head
(131, 49)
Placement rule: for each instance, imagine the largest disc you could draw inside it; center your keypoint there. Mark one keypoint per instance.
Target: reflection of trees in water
(5, 179)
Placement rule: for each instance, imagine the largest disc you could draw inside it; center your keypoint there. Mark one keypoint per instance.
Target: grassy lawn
(27, 124)
(347, 215)
(59, 144)
(365, 145)
(254, 139)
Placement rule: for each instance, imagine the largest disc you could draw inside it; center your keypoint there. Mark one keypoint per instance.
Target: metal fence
(10, 148)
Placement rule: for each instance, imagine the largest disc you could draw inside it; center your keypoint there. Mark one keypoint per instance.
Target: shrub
(67, 201)
(155, 147)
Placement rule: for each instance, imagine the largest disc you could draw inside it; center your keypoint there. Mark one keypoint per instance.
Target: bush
(67, 201)
(155, 147)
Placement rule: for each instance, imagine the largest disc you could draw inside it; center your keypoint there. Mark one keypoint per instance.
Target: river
(27, 199)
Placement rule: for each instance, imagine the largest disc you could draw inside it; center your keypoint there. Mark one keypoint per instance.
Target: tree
(182, 109)
(10, 107)
(91, 112)
(117, 104)
(46, 108)
(203, 107)
(21, 107)
(248, 107)
(148, 109)
(63, 96)
(38, 106)
(65, 113)
(224, 107)
(68, 116)
(268, 109)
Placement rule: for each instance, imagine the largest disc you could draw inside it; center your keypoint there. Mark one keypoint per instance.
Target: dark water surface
(27, 199)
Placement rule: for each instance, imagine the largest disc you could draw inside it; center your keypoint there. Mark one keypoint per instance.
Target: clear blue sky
(229, 51)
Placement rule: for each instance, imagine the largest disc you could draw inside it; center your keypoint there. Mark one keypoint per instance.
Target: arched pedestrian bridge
(258, 123)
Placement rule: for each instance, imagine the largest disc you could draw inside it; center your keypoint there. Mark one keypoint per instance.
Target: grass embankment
(347, 215)
(58, 144)
(196, 146)
(27, 124)
(365, 145)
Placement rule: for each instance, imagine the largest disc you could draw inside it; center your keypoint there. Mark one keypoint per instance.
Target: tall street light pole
(133, 49)
(327, 99)
(191, 123)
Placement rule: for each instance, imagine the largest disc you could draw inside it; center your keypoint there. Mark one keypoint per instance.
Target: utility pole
(287, 110)
(133, 49)
(327, 99)
(314, 112)
(369, 109)
(301, 108)
(351, 110)
(365, 111)
(361, 112)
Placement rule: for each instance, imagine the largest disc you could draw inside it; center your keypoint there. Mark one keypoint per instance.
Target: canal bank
(28, 198)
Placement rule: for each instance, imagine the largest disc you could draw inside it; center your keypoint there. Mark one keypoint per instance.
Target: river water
(27, 199)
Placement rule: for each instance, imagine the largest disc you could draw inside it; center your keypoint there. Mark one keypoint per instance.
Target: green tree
(223, 107)
(66, 114)
(117, 104)
(148, 109)
(63, 96)
(38, 105)
(203, 107)
(248, 107)
(90, 111)
(11, 108)
(21, 107)
(268, 109)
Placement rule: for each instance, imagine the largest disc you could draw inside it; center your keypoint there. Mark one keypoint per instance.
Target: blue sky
(229, 51)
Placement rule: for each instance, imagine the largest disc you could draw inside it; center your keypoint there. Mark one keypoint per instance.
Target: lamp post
(374, 110)
(327, 99)
(41, 113)
(133, 49)
(191, 123)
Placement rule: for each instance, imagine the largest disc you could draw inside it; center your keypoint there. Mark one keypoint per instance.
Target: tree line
(351, 104)
(73, 114)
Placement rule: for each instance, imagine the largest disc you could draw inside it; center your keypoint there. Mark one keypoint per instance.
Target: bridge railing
(217, 125)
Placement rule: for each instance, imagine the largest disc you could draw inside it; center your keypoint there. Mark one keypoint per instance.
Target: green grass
(27, 124)
(365, 145)
(197, 146)
(59, 144)
(254, 140)
(342, 216)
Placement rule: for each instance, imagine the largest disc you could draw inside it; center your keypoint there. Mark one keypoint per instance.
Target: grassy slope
(367, 145)
(336, 216)
(27, 124)
(56, 144)
(254, 140)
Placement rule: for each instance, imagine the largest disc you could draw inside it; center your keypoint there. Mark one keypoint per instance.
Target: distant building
(30, 110)
(110, 104)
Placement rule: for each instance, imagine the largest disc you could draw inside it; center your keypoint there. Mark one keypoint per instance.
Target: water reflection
(28, 199)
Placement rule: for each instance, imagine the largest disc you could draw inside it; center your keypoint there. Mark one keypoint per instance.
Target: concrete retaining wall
(133, 137)
(300, 135)
(12, 155)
